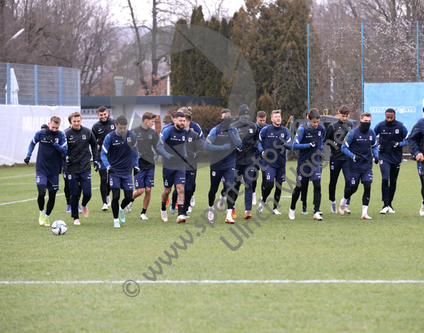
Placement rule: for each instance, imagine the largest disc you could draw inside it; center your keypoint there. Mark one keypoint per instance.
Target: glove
(96, 166)
(394, 144)
(110, 170)
(239, 150)
(26, 160)
(376, 159)
(313, 144)
(51, 139)
(69, 159)
(381, 149)
(357, 158)
(263, 154)
(136, 170)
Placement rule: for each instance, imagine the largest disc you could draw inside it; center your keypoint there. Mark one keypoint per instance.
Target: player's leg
(304, 198)
(296, 194)
(317, 198)
(85, 183)
(116, 193)
(174, 200)
(41, 201)
(192, 201)
(215, 179)
(366, 199)
(52, 187)
(230, 181)
(280, 177)
(335, 167)
(67, 192)
(179, 180)
(127, 186)
(248, 176)
(74, 189)
(345, 169)
(188, 189)
(254, 183)
(349, 191)
(103, 187)
(270, 175)
(385, 175)
(394, 173)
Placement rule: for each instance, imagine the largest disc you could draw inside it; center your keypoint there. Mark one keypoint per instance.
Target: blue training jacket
(388, 134)
(119, 153)
(361, 144)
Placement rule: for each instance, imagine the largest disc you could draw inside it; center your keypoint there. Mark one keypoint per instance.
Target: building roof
(109, 101)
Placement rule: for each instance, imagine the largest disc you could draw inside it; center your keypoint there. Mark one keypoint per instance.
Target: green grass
(389, 247)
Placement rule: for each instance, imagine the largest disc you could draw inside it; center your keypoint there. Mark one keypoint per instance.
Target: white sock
(333, 202)
(210, 207)
(364, 210)
(343, 202)
(229, 212)
(46, 216)
(41, 211)
(221, 197)
(120, 209)
(115, 220)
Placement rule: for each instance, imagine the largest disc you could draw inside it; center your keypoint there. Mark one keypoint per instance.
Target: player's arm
(299, 137)
(134, 148)
(262, 134)
(289, 143)
(62, 145)
(198, 130)
(235, 137)
(105, 150)
(198, 147)
(329, 135)
(155, 140)
(374, 147)
(209, 143)
(346, 144)
(321, 142)
(93, 145)
(32, 144)
(405, 136)
(161, 143)
(414, 140)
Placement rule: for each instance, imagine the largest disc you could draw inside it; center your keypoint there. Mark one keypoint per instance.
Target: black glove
(50, 139)
(313, 144)
(394, 144)
(26, 160)
(110, 170)
(357, 158)
(381, 149)
(376, 160)
(97, 165)
(136, 170)
(69, 159)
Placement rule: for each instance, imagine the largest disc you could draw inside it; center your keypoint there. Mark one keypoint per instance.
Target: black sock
(163, 206)
(181, 210)
(143, 211)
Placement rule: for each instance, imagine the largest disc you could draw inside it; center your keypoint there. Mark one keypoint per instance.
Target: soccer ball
(59, 227)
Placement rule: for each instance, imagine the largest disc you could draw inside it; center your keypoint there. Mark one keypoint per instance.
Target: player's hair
(344, 109)
(101, 109)
(148, 115)
(275, 112)
(390, 110)
(179, 114)
(73, 115)
(55, 119)
(188, 116)
(261, 114)
(313, 114)
(227, 113)
(184, 110)
(365, 114)
(121, 120)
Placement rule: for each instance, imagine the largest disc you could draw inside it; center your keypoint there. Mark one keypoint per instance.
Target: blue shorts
(52, 182)
(121, 181)
(305, 172)
(356, 177)
(275, 174)
(80, 180)
(171, 177)
(226, 175)
(145, 178)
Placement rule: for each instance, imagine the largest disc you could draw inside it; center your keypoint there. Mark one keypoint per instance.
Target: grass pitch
(387, 248)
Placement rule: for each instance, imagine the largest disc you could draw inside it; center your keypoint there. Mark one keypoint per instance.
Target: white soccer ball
(59, 227)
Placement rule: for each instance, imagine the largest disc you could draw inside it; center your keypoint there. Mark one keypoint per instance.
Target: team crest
(250, 130)
(84, 137)
(213, 173)
(129, 139)
(397, 131)
(282, 135)
(150, 137)
(319, 133)
(111, 127)
(370, 137)
(183, 138)
(190, 139)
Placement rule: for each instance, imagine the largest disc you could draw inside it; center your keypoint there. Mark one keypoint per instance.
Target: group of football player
(241, 152)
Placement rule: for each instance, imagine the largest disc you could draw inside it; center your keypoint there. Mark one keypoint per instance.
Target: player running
(78, 165)
(309, 140)
(393, 135)
(147, 140)
(273, 141)
(336, 133)
(260, 123)
(119, 156)
(49, 162)
(360, 145)
(103, 127)
(222, 141)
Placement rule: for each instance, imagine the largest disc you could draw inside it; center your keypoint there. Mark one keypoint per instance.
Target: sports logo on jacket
(190, 139)
(112, 126)
(84, 137)
(397, 131)
(250, 130)
(129, 139)
(150, 137)
(370, 137)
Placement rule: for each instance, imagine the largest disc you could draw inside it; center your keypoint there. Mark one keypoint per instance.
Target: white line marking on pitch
(30, 174)
(225, 282)
(26, 200)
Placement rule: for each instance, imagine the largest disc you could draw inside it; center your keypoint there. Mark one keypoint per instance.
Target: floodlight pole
(13, 37)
